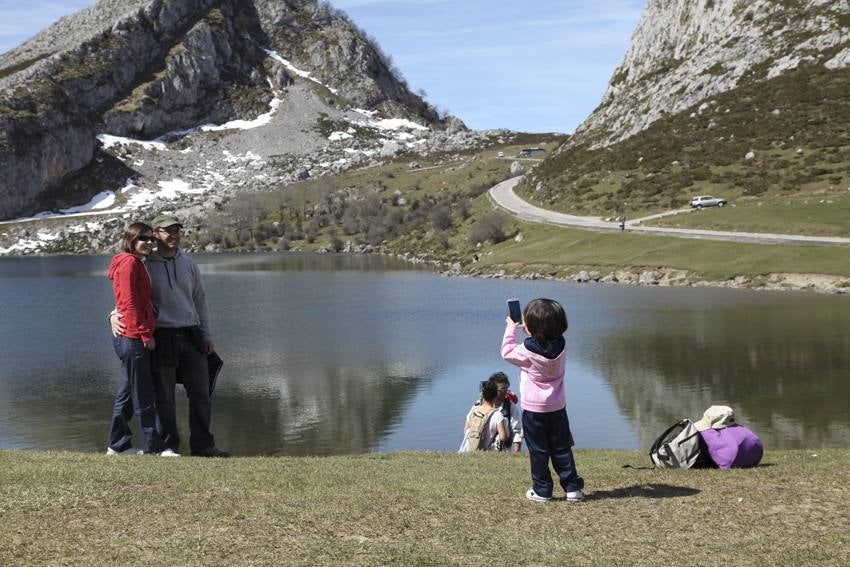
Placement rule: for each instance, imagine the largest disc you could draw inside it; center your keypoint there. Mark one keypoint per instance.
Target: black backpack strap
(660, 439)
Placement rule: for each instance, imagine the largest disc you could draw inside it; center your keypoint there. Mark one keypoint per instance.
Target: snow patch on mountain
(296, 71)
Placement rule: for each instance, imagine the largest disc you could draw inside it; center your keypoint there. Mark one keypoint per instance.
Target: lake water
(333, 355)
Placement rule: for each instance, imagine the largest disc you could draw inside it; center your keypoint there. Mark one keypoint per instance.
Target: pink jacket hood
(541, 380)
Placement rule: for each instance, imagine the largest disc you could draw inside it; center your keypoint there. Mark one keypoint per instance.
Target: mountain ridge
(745, 99)
(685, 51)
(165, 66)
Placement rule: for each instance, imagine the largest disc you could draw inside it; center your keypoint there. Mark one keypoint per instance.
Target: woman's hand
(150, 345)
(511, 323)
(116, 324)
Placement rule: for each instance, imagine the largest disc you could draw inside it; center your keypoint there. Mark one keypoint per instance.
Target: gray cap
(164, 221)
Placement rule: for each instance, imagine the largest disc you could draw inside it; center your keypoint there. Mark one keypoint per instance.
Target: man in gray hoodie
(183, 339)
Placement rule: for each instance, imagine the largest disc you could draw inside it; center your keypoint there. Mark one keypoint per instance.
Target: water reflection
(782, 367)
(339, 354)
(336, 411)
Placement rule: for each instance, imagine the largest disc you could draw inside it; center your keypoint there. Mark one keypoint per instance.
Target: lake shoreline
(635, 276)
(626, 275)
(671, 277)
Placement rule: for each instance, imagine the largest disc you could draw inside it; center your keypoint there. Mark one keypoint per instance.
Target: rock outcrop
(148, 68)
(684, 51)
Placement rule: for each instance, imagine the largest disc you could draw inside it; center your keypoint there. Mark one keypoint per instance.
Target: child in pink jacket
(541, 359)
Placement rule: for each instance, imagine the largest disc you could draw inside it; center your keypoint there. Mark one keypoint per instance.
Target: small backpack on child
(478, 420)
(679, 447)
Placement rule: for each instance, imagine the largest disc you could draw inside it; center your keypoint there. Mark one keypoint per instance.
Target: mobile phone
(514, 310)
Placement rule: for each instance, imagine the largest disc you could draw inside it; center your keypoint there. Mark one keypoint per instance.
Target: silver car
(707, 201)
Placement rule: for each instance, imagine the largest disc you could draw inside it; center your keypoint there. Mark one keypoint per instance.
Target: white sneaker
(169, 453)
(533, 496)
(575, 496)
(130, 451)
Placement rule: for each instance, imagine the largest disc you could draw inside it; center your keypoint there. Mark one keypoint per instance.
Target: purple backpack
(734, 446)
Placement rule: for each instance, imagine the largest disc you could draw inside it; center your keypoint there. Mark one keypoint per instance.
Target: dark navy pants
(136, 394)
(547, 436)
(183, 358)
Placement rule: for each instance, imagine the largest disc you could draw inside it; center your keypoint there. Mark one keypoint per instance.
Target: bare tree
(246, 212)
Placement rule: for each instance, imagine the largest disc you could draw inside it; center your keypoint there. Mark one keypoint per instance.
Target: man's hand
(210, 347)
(517, 447)
(150, 345)
(116, 324)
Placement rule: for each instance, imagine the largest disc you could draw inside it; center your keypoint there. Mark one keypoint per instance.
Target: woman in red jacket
(132, 288)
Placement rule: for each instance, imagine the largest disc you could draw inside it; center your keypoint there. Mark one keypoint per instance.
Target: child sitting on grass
(541, 359)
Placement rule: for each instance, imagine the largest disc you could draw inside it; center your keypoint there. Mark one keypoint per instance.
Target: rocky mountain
(76, 98)
(744, 98)
(685, 51)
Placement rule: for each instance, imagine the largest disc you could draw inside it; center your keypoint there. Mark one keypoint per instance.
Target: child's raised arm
(510, 351)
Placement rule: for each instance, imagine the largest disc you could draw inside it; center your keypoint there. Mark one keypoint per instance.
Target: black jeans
(136, 394)
(547, 436)
(178, 354)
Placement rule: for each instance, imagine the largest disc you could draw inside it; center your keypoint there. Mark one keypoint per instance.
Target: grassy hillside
(782, 139)
(437, 209)
(418, 509)
(815, 215)
(560, 252)
(427, 207)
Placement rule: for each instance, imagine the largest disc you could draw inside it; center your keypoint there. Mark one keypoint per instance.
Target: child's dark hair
(498, 378)
(545, 320)
(132, 233)
(489, 391)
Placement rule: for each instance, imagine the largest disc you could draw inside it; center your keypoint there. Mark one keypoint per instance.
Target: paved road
(504, 197)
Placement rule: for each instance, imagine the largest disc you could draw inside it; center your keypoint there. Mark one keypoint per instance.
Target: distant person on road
(546, 427)
(183, 339)
(485, 427)
(134, 345)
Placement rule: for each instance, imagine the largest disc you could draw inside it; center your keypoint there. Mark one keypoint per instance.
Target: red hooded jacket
(131, 285)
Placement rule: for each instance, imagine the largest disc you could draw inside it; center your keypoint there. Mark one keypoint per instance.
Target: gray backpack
(678, 447)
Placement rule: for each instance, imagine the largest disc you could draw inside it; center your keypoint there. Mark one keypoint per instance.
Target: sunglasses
(172, 230)
(505, 389)
(144, 238)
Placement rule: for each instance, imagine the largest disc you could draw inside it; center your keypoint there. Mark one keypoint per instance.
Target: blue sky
(536, 66)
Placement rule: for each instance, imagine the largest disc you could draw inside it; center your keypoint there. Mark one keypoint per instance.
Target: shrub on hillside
(490, 227)
(441, 217)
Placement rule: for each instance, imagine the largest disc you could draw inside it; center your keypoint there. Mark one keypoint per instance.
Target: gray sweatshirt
(178, 295)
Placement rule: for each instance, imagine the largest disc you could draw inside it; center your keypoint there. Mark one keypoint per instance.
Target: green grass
(420, 509)
(794, 124)
(813, 215)
(561, 250)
